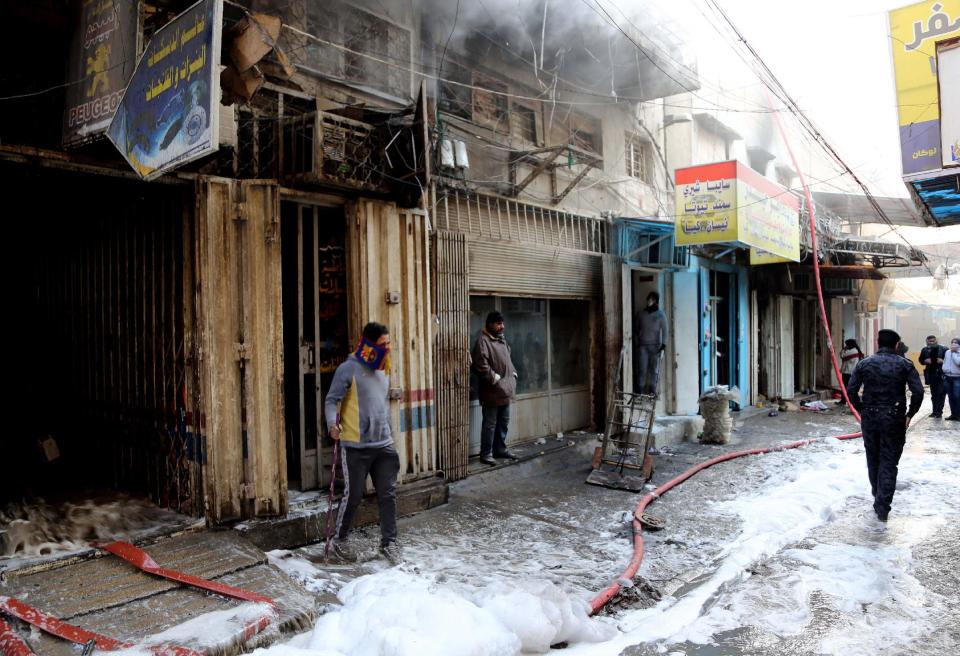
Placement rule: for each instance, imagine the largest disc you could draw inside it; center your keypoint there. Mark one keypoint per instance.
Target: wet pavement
(772, 554)
(850, 585)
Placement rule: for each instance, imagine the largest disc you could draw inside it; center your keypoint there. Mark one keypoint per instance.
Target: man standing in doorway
(650, 334)
(884, 415)
(357, 410)
(498, 387)
(931, 357)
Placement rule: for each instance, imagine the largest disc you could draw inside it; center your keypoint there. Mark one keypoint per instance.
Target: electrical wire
(777, 89)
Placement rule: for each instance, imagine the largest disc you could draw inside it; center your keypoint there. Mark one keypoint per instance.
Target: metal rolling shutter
(508, 268)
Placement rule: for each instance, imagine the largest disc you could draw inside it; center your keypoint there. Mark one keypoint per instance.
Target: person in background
(850, 356)
(357, 410)
(931, 357)
(951, 378)
(902, 350)
(884, 415)
(498, 387)
(650, 333)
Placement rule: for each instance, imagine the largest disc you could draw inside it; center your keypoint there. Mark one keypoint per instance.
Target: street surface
(776, 554)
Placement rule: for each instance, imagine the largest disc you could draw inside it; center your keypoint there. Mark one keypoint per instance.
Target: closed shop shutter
(511, 269)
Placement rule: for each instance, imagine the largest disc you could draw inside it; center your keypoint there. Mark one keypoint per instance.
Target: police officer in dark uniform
(884, 415)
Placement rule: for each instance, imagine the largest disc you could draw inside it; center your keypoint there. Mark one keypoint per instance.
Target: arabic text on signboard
(728, 202)
(706, 199)
(168, 115)
(914, 33)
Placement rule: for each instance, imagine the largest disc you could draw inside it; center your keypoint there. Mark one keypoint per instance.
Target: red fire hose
(611, 590)
(11, 644)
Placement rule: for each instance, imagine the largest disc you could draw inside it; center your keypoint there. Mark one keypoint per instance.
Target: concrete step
(307, 523)
(113, 598)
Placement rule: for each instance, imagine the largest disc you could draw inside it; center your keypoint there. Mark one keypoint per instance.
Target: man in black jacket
(931, 357)
(884, 415)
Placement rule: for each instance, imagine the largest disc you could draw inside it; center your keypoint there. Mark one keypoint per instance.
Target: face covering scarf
(373, 355)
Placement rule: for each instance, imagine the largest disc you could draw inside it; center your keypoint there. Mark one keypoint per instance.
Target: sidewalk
(514, 538)
(529, 541)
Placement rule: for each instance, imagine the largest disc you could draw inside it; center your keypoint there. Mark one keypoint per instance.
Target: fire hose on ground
(604, 597)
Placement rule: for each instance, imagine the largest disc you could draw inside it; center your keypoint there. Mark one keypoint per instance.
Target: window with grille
(638, 158)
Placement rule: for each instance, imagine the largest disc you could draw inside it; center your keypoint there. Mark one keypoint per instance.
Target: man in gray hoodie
(357, 410)
(650, 334)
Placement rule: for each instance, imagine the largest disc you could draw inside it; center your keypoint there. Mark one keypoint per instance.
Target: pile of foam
(398, 613)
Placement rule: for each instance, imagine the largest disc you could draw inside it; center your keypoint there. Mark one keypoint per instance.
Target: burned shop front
(100, 308)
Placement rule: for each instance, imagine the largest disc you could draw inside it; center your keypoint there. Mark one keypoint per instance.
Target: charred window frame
(638, 157)
(585, 133)
(524, 122)
(456, 99)
(490, 106)
(323, 22)
(378, 41)
(368, 34)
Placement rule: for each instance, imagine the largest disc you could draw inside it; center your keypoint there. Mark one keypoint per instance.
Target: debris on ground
(41, 529)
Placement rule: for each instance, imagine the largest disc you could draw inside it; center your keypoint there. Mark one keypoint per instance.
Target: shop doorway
(98, 315)
(550, 349)
(644, 282)
(315, 339)
(720, 355)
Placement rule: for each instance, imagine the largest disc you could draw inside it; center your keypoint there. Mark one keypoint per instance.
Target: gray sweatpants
(382, 464)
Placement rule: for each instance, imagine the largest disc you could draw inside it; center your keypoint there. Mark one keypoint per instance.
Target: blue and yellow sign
(915, 32)
(168, 114)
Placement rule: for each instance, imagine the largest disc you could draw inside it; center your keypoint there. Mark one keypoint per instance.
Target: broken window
(490, 107)
(585, 133)
(638, 158)
(455, 99)
(524, 124)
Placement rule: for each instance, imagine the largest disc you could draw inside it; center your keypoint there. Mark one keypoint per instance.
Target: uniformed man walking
(884, 415)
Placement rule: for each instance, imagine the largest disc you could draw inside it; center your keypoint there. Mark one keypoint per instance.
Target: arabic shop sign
(168, 115)
(730, 203)
(914, 34)
(102, 56)
(948, 61)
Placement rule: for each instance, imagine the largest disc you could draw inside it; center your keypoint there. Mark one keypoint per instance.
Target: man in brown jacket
(498, 387)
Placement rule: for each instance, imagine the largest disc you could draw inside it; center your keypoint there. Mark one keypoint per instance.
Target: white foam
(205, 631)
(395, 612)
(779, 514)
(302, 571)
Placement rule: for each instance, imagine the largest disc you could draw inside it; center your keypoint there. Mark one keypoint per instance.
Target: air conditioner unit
(840, 286)
(324, 148)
